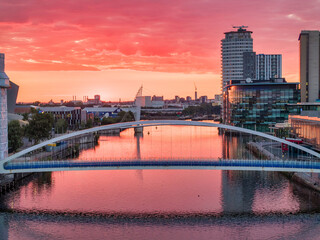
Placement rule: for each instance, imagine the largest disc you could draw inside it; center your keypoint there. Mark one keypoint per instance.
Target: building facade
(12, 96)
(249, 65)
(306, 128)
(262, 66)
(157, 98)
(306, 109)
(143, 101)
(233, 46)
(309, 65)
(258, 104)
(268, 66)
(71, 114)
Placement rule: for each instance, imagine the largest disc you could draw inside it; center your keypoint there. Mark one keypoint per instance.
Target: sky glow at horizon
(57, 49)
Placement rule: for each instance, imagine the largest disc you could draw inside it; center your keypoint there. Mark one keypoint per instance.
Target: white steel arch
(156, 123)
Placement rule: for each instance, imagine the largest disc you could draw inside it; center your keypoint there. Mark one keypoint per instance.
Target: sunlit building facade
(306, 128)
(257, 104)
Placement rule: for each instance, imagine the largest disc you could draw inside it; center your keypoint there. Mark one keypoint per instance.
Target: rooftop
(240, 29)
(306, 104)
(250, 82)
(59, 109)
(305, 118)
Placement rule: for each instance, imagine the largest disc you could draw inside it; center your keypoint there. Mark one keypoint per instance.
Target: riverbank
(309, 180)
(9, 181)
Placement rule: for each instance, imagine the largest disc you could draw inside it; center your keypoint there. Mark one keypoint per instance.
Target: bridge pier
(4, 85)
(138, 130)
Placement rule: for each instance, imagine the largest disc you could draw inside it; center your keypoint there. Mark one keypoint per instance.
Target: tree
(121, 117)
(108, 120)
(96, 121)
(203, 109)
(15, 134)
(36, 103)
(25, 116)
(40, 126)
(89, 123)
(61, 126)
(125, 116)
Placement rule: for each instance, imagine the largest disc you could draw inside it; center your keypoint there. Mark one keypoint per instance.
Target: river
(161, 204)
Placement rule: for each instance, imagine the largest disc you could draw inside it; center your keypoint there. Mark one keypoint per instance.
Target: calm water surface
(161, 204)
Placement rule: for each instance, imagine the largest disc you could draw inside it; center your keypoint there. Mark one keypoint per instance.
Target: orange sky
(57, 49)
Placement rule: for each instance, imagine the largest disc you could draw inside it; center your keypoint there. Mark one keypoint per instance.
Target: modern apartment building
(233, 46)
(268, 66)
(71, 114)
(262, 66)
(309, 65)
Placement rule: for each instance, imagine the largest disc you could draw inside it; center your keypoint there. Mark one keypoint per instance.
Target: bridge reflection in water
(35, 159)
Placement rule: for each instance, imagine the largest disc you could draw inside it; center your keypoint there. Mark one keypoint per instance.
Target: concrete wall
(4, 85)
(3, 124)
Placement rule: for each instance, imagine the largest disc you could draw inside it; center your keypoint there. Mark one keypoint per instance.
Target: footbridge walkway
(28, 160)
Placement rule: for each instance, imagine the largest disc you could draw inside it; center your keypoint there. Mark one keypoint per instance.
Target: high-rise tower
(233, 46)
(309, 65)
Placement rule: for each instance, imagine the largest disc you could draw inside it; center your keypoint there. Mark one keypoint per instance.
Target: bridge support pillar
(4, 84)
(138, 130)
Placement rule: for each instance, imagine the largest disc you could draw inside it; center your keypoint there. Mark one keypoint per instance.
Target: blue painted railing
(145, 163)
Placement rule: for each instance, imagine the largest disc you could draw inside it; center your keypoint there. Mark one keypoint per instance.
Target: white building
(143, 101)
(233, 46)
(268, 66)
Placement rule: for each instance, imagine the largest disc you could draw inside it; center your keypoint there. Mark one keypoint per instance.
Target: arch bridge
(34, 159)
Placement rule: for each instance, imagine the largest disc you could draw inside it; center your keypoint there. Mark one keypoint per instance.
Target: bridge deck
(261, 165)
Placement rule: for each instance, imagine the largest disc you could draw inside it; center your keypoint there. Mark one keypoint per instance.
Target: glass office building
(258, 104)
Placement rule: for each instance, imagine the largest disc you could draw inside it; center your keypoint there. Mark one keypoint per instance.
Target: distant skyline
(58, 49)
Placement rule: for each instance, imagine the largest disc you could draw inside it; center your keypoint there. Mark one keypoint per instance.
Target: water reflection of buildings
(239, 187)
(234, 146)
(308, 199)
(238, 190)
(4, 227)
(138, 136)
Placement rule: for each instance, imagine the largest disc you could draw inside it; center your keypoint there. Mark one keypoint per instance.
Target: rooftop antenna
(240, 27)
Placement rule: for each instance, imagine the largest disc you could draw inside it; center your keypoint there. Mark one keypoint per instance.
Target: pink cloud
(163, 35)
